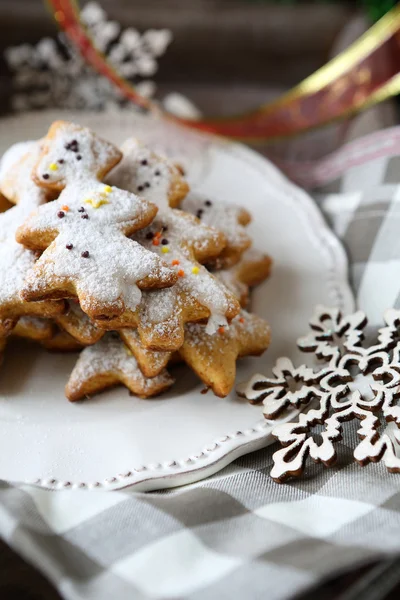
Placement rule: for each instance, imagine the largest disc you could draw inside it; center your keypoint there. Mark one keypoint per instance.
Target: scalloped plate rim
(217, 454)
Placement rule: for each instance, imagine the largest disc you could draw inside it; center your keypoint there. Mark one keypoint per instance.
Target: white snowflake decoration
(53, 74)
(337, 392)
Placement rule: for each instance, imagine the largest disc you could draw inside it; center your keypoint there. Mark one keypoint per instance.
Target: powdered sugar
(229, 278)
(13, 156)
(15, 260)
(244, 322)
(224, 216)
(143, 172)
(77, 153)
(179, 236)
(176, 237)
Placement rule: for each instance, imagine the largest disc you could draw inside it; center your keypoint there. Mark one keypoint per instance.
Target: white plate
(114, 440)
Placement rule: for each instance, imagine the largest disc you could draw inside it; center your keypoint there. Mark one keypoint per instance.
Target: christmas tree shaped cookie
(184, 243)
(84, 232)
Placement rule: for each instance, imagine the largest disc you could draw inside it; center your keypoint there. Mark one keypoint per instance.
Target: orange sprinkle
(156, 241)
(241, 320)
(181, 273)
(65, 207)
(221, 329)
(157, 234)
(175, 262)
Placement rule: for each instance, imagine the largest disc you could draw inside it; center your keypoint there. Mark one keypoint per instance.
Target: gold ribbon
(366, 73)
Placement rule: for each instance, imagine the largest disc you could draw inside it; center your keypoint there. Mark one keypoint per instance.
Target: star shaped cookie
(108, 363)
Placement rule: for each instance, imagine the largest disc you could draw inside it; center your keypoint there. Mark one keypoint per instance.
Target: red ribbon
(362, 75)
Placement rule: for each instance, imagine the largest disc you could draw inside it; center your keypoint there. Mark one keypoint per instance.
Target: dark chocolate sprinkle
(81, 209)
(72, 145)
(45, 176)
(140, 188)
(164, 228)
(143, 162)
(79, 157)
(84, 216)
(85, 254)
(157, 173)
(199, 213)
(69, 246)
(61, 161)
(147, 184)
(208, 202)
(149, 235)
(164, 241)
(60, 214)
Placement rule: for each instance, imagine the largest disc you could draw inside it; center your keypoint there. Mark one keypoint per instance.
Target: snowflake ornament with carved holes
(53, 74)
(357, 381)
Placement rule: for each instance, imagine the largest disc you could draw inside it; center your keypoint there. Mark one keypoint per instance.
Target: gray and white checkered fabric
(362, 205)
(237, 534)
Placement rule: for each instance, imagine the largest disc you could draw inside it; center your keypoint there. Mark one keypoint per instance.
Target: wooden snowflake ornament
(357, 381)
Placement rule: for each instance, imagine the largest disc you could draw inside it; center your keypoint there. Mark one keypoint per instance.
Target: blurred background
(225, 55)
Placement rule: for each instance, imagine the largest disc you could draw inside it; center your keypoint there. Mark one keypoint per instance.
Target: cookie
(251, 270)
(15, 260)
(213, 358)
(151, 362)
(75, 322)
(83, 234)
(109, 363)
(196, 295)
(34, 328)
(228, 218)
(143, 172)
(10, 171)
(184, 242)
(4, 204)
(61, 341)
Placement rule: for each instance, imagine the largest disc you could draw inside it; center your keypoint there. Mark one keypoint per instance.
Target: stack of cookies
(106, 251)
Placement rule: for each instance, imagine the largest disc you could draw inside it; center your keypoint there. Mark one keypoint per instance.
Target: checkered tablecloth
(239, 534)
